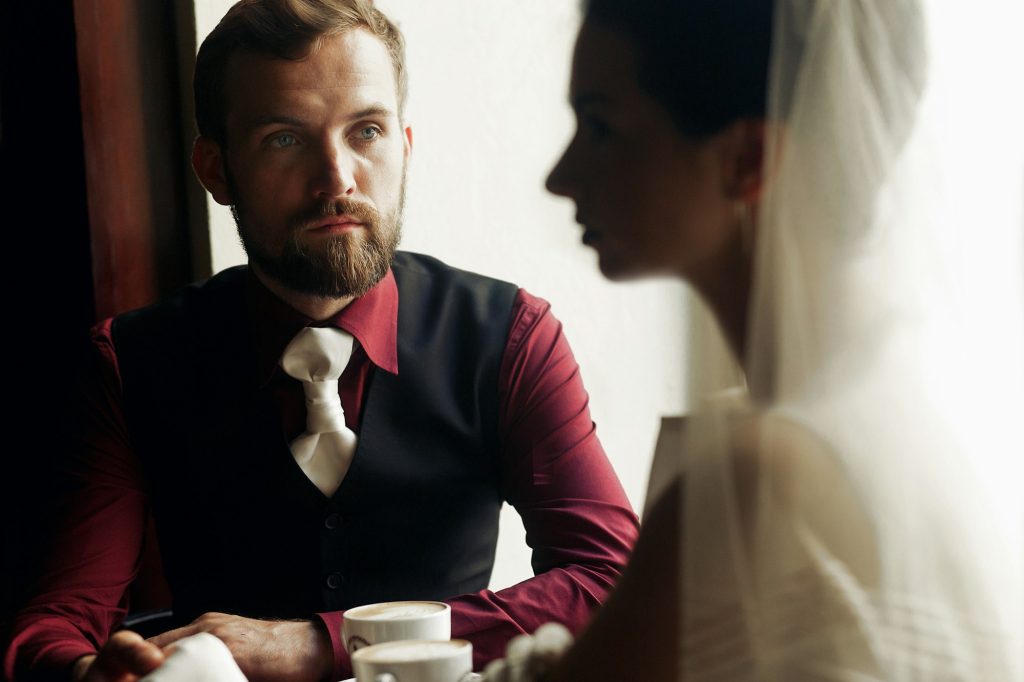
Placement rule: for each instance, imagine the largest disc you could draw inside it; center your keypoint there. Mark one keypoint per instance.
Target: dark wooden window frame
(147, 213)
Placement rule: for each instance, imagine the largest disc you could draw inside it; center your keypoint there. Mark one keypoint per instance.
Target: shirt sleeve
(578, 520)
(81, 594)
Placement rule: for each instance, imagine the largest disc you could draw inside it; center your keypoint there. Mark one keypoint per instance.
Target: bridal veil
(861, 519)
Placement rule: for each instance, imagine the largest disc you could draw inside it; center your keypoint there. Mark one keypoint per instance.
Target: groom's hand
(265, 650)
(124, 658)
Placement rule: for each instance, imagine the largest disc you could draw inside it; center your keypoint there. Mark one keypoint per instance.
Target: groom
(461, 393)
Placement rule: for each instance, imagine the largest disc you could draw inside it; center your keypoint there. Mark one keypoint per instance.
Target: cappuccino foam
(398, 610)
(412, 650)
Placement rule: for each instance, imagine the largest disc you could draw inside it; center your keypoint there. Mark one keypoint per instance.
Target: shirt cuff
(333, 620)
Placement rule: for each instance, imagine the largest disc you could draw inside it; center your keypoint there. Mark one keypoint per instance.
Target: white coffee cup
(415, 660)
(392, 621)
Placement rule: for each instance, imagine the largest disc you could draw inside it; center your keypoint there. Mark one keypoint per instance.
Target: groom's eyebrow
(273, 119)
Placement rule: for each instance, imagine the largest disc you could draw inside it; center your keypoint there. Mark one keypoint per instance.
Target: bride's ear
(743, 155)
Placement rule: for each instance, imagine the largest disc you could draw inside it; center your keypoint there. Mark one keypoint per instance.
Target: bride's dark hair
(706, 61)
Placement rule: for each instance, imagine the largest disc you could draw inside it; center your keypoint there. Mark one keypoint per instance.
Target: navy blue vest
(240, 527)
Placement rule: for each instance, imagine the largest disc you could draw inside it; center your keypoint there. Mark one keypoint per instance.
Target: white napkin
(199, 658)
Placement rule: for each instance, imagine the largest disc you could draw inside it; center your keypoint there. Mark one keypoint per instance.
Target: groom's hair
(284, 29)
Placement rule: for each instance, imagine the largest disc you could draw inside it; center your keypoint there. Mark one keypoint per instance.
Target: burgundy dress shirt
(578, 520)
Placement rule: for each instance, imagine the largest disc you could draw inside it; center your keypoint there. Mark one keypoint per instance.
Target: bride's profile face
(649, 199)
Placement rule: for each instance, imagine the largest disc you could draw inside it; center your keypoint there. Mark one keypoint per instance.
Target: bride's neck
(726, 288)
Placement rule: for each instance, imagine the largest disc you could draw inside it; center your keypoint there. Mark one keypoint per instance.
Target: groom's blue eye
(284, 140)
(369, 133)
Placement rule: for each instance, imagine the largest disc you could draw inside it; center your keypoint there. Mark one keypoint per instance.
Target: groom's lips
(336, 225)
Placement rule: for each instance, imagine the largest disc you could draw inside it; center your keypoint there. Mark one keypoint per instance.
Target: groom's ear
(743, 157)
(208, 164)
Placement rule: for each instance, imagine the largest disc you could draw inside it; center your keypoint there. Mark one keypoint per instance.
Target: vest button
(334, 581)
(332, 521)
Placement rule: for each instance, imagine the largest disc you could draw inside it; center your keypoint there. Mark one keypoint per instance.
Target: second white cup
(415, 661)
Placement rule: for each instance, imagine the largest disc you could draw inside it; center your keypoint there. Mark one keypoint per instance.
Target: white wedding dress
(858, 516)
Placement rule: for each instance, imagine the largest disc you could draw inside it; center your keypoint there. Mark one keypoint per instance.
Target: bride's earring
(746, 222)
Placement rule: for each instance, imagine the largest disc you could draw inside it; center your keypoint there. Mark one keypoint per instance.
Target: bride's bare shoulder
(777, 456)
(768, 452)
(768, 443)
(753, 439)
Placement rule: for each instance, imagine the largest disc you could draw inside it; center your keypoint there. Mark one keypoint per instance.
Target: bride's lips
(589, 234)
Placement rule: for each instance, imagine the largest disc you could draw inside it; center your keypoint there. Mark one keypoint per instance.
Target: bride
(853, 223)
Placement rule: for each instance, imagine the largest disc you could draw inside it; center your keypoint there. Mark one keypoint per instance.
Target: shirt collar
(372, 319)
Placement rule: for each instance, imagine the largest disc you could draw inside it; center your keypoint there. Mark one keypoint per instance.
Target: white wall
(488, 84)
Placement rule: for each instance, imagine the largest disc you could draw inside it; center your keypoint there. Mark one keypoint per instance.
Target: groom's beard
(330, 267)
